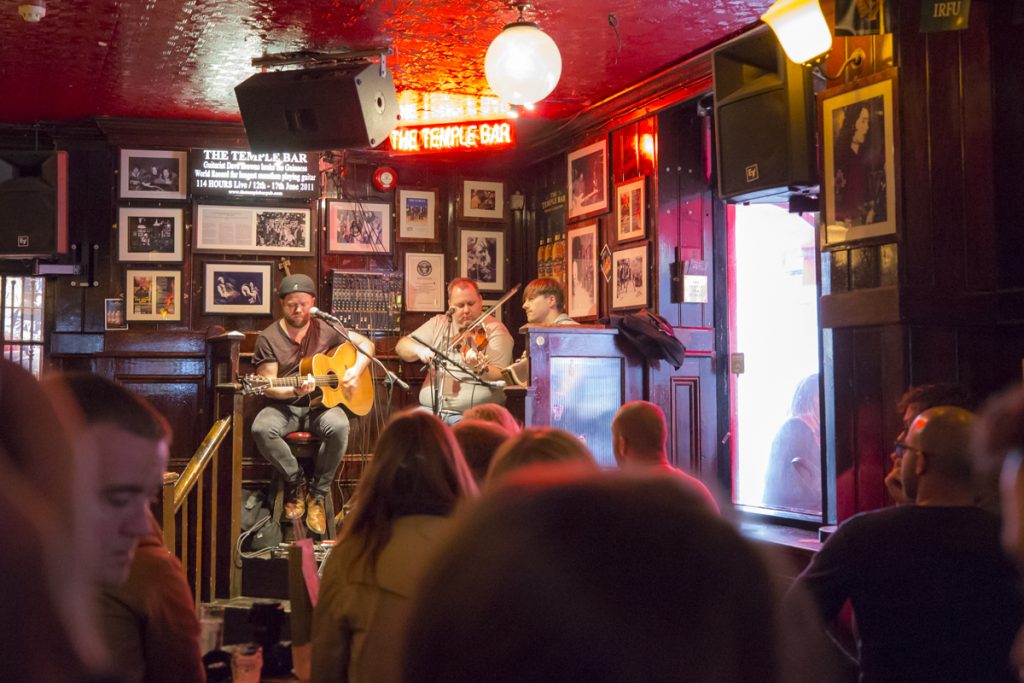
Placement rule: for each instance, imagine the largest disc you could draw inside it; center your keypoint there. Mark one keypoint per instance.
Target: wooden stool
(304, 446)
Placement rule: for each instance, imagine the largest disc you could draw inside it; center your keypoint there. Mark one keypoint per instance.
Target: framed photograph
(482, 258)
(358, 227)
(498, 314)
(417, 215)
(631, 209)
(582, 276)
(153, 295)
(235, 288)
(424, 282)
(149, 234)
(483, 200)
(252, 230)
(630, 277)
(859, 166)
(153, 174)
(588, 180)
(113, 315)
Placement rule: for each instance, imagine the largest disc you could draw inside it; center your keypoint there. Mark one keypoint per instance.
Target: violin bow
(483, 316)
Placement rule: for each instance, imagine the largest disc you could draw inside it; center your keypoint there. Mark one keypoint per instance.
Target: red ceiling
(182, 58)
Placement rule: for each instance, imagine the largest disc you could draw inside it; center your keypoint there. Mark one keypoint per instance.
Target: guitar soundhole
(334, 381)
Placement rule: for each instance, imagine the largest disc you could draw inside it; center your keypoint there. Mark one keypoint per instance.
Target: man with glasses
(933, 596)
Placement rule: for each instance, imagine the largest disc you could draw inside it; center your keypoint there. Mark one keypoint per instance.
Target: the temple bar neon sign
(454, 136)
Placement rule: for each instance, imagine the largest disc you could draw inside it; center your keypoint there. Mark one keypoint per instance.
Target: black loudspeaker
(764, 121)
(33, 204)
(318, 109)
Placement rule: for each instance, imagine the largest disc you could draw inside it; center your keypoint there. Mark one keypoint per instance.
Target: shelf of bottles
(551, 257)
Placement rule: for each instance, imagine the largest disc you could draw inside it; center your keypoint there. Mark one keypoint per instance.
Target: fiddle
(473, 347)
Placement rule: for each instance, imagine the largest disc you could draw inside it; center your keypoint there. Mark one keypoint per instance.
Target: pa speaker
(764, 121)
(317, 109)
(33, 204)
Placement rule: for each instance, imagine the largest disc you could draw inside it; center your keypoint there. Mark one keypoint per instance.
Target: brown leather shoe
(316, 518)
(295, 501)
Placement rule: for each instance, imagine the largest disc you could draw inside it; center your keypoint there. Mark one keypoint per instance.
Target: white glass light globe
(522, 64)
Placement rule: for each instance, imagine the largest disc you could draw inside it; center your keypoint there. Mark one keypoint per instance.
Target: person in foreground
(562, 573)
(933, 595)
(414, 482)
(639, 434)
(146, 607)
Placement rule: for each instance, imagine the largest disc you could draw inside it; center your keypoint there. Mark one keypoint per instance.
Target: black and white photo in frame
(588, 180)
(358, 227)
(630, 277)
(153, 174)
(150, 234)
(482, 258)
(583, 291)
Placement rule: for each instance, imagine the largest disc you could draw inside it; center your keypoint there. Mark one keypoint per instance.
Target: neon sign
(471, 135)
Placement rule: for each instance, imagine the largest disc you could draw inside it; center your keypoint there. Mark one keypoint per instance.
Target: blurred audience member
(536, 445)
(563, 574)
(793, 480)
(638, 441)
(413, 483)
(492, 412)
(479, 441)
(146, 606)
(915, 401)
(47, 613)
(933, 596)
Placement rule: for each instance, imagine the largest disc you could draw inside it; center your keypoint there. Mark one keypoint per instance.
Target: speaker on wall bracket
(764, 121)
(348, 107)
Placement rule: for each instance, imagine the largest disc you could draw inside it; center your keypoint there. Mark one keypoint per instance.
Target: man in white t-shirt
(452, 391)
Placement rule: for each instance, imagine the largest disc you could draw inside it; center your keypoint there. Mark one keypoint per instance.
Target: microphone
(323, 315)
(450, 312)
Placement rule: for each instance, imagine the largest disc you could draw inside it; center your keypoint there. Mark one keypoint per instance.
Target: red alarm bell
(384, 178)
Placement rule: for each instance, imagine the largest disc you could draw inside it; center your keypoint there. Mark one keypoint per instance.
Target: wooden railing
(190, 512)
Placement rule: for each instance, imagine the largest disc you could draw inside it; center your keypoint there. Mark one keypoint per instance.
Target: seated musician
(279, 350)
(543, 301)
(456, 391)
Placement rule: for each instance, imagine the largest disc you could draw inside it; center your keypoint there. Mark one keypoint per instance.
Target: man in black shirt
(933, 595)
(279, 350)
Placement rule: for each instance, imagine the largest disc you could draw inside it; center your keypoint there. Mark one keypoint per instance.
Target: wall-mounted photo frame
(582, 294)
(113, 315)
(859, 159)
(630, 277)
(483, 200)
(482, 258)
(424, 282)
(588, 180)
(227, 229)
(358, 227)
(631, 209)
(237, 288)
(499, 313)
(150, 234)
(153, 174)
(417, 215)
(153, 295)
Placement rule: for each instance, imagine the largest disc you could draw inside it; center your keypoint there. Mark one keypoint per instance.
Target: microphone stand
(442, 358)
(390, 378)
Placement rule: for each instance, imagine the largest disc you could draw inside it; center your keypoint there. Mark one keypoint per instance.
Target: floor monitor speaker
(318, 109)
(764, 121)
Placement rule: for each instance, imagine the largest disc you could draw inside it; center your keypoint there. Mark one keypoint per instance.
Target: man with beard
(279, 350)
(455, 391)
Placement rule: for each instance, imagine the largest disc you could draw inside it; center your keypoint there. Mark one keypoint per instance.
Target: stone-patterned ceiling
(182, 58)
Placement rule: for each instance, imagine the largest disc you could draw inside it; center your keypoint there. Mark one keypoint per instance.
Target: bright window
(23, 321)
(775, 400)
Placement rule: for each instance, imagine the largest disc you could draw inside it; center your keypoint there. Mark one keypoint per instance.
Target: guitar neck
(296, 380)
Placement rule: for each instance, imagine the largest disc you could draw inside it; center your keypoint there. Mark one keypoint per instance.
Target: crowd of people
(482, 550)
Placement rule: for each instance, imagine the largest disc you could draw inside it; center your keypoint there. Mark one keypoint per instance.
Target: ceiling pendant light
(523, 63)
(800, 27)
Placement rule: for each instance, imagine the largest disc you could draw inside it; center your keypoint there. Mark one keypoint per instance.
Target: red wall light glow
(454, 136)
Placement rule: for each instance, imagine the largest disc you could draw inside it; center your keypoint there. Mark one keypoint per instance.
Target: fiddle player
(458, 391)
(279, 351)
(543, 302)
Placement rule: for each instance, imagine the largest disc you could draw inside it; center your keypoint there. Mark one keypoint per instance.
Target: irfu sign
(944, 15)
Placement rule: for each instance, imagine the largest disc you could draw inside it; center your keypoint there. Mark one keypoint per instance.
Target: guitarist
(279, 350)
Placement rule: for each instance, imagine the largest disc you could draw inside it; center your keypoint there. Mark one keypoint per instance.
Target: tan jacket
(359, 620)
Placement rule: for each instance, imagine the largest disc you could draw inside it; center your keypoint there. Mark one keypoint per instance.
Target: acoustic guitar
(327, 369)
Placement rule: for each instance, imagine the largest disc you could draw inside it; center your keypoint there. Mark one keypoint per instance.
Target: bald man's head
(939, 443)
(638, 432)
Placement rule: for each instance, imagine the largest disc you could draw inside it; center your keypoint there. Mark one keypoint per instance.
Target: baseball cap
(296, 283)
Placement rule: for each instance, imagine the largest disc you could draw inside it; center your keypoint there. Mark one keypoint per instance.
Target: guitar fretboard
(295, 380)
